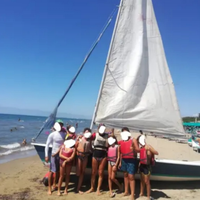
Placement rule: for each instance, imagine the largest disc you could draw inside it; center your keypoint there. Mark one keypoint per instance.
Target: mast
(106, 66)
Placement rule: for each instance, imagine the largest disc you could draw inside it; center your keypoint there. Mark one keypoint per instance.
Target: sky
(43, 43)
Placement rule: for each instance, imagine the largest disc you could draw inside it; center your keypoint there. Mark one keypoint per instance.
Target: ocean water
(15, 128)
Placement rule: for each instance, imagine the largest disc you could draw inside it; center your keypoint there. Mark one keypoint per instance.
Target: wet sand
(21, 178)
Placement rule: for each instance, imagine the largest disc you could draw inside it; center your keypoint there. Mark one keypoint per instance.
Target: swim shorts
(54, 163)
(145, 169)
(129, 165)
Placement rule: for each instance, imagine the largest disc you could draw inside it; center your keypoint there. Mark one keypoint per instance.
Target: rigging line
(105, 69)
(51, 119)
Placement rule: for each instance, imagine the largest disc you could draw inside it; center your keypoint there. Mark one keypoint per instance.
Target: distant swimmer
(76, 125)
(19, 119)
(24, 142)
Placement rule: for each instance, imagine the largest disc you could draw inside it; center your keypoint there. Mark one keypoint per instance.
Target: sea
(15, 128)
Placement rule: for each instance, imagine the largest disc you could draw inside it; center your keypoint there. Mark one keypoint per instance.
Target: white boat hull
(164, 170)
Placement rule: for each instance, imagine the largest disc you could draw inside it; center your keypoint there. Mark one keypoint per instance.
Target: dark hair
(125, 129)
(68, 127)
(141, 132)
(87, 129)
(101, 125)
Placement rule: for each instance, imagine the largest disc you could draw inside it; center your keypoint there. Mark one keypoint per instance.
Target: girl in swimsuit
(113, 161)
(83, 147)
(67, 154)
(99, 159)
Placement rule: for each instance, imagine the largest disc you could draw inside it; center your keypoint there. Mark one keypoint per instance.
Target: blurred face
(102, 129)
(87, 134)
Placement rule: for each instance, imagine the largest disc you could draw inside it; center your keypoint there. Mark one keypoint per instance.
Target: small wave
(21, 120)
(10, 146)
(26, 148)
(21, 127)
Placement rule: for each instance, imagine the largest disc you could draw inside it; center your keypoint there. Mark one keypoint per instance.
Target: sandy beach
(21, 178)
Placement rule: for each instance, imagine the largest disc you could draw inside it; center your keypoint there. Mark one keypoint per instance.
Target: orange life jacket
(125, 149)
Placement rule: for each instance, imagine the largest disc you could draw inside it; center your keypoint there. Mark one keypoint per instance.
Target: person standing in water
(113, 158)
(83, 150)
(147, 153)
(128, 154)
(99, 158)
(56, 139)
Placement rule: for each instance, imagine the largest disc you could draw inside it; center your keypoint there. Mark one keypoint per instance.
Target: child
(70, 133)
(147, 153)
(83, 147)
(113, 161)
(128, 162)
(67, 154)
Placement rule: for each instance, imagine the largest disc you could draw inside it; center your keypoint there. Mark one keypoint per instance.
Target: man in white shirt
(56, 139)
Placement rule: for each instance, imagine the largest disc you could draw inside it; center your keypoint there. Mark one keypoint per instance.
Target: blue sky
(43, 43)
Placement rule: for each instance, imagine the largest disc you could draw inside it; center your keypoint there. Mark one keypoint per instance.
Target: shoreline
(17, 155)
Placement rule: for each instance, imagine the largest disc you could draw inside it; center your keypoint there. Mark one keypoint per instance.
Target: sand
(21, 178)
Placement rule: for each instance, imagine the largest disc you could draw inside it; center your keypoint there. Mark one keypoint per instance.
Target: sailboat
(137, 90)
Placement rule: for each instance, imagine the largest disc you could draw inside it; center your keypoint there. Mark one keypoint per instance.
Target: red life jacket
(45, 179)
(143, 156)
(125, 149)
(112, 154)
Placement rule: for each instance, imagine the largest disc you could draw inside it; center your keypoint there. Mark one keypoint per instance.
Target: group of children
(105, 149)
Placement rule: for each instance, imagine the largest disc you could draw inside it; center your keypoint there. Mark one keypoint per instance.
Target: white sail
(137, 90)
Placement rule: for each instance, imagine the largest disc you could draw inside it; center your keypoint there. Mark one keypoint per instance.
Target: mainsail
(137, 90)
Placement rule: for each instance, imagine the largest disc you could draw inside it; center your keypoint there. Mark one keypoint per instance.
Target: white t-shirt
(56, 139)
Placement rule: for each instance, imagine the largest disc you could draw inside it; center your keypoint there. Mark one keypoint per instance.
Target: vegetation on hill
(190, 119)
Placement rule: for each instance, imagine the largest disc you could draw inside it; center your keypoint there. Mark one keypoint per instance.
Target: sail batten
(137, 89)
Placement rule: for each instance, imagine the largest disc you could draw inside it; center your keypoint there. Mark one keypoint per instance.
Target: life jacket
(152, 161)
(112, 153)
(45, 179)
(84, 146)
(143, 156)
(125, 149)
(100, 142)
(66, 153)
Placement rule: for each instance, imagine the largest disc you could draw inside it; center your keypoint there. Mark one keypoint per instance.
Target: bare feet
(141, 194)
(65, 192)
(59, 194)
(49, 192)
(126, 194)
(90, 190)
(98, 193)
(80, 192)
(132, 198)
(112, 194)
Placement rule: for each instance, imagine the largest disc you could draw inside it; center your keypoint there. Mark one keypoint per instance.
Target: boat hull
(164, 170)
